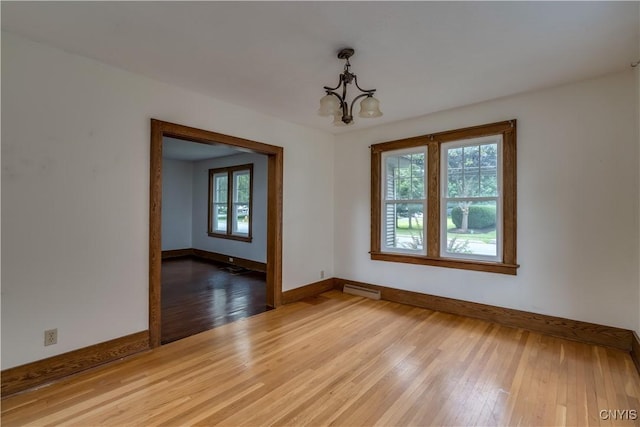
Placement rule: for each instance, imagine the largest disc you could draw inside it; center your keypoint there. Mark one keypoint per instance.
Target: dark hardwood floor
(199, 295)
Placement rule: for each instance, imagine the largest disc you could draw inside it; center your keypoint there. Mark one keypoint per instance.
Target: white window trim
(384, 201)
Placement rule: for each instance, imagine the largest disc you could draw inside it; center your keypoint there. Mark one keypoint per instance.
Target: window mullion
(432, 176)
(229, 202)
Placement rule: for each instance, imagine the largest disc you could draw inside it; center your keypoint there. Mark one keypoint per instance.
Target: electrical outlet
(51, 337)
(322, 274)
(230, 259)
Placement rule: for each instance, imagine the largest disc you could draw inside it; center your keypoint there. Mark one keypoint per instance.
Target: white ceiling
(275, 57)
(179, 149)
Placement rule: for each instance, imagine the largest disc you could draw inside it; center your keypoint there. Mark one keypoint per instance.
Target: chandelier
(336, 105)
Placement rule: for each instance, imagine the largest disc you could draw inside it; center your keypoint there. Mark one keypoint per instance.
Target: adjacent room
(214, 232)
(320, 213)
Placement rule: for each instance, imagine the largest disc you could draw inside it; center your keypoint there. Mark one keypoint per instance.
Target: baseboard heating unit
(361, 291)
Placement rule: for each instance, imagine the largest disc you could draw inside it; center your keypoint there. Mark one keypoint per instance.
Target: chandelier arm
(337, 87)
(368, 91)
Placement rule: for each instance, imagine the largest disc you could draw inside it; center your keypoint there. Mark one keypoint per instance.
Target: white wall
(637, 72)
(75, 199)
(75, 194)
(578, 189)
(256, 250)
(177, 204)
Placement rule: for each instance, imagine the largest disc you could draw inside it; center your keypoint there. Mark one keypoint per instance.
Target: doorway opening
(273, 267)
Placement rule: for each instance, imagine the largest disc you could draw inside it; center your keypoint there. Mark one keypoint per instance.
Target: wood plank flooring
(339, 359)
(198, 295)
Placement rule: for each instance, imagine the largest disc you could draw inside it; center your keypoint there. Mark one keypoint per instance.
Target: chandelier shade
(370, 107)
(339, 106)
(329, 105)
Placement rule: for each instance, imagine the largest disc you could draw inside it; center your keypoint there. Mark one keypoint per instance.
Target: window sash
(390, 240)
(219, 201)
(238, 196)
(444, 241)
(237, 227)
(216, 224)
(444, 200)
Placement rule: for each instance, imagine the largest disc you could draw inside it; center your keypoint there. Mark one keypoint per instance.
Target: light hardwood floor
(344, 360)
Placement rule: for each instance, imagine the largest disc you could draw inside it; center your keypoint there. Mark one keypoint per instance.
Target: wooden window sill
(231, 237)
(492, 267)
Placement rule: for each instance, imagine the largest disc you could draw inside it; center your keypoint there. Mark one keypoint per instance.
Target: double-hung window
(471, 199)
(230, 191)
(447, 199)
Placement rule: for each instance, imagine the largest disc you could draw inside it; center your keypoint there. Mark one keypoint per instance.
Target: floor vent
(360, 291)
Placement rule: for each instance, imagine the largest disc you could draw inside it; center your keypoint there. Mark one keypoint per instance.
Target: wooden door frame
(160, 129)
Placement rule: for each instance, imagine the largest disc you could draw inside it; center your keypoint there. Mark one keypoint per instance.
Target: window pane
(489, 156)
(489, 170)
(242, 185)
(472, 171)
(240, 218)
(471, 228)
(404, 225)
(405, 177)
(455, 175)
(489, 184)
(219, 217)
(220, 188)
(389, 227)
(471, 158)
(471, 185)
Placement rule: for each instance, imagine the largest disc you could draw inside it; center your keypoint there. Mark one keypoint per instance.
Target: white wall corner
(637, 71)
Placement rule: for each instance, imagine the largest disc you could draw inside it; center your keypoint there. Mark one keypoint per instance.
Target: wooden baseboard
(214, 256)
(240, 262)
(44, 371)
(177, 253)
(306, 291)
(556, 326)
(635, 350)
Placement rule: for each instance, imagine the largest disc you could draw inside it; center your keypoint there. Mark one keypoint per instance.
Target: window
(470, 199)
(230, 196)
(447, 199)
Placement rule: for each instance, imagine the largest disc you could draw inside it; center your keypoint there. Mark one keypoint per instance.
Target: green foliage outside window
(472, 171)
(480, 217)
